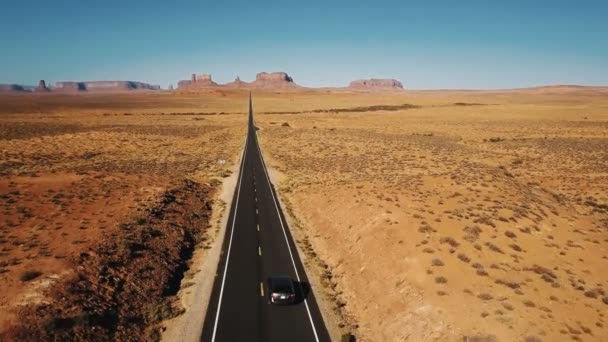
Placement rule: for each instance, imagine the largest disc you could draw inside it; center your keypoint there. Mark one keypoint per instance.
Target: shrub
(529, 303)
(494, 248)
(510, 284)
(525, 230)
(515, 247)
(484, 296)
(164, 311)
(437, 262)
(472, 233)
(592, 293)
(449, 240)
(30, 275)
(441, 280)
(463, 257)
(481, 272)
(508, 306)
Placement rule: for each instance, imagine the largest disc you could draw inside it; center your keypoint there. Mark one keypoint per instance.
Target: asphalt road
(258, 244)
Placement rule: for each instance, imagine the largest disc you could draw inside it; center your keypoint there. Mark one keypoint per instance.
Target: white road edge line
(236, 207)
(314, 330)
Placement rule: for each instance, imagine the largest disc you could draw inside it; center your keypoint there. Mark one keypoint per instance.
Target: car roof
(280, 280)
(281, 283)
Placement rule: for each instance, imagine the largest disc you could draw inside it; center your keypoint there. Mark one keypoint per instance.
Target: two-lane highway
(258, 244)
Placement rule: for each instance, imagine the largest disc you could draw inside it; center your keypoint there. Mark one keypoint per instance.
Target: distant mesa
(376, 84)
(102, 86)
(70, 86)
(273, 80)
(268, 80)
(11, 88)
(198, 81)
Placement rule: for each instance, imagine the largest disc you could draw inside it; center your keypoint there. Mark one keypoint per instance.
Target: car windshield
(282, 285)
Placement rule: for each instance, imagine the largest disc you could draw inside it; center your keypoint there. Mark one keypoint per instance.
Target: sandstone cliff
(197, 81)
(277, 80)
(266, 80)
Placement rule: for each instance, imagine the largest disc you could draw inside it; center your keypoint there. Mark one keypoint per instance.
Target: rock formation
(376, 84)
(183, 83)
(273, 80)
(42, 86)
(237, 83)
(197, 81)
(11, 88)
(118, 86)
(104, 86)
(70, 86)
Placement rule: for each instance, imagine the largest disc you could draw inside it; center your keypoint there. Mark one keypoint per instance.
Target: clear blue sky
(426, 44)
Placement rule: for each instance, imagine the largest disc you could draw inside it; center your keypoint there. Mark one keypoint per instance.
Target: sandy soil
(467, 215)
(76, 169)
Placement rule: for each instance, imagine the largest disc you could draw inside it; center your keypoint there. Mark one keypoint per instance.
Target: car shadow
(302, 290)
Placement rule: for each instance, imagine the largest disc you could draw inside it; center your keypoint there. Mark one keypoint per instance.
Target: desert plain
(422, 215)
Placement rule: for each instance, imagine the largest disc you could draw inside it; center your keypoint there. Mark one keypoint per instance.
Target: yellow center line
(261, 289)
(258, 225)
(260, 250)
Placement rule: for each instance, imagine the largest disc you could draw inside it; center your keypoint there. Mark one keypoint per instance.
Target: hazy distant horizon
(163, 87)
(475, 45)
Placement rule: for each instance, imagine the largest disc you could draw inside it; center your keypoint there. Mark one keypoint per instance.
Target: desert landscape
(421, 215)
(304, 171)
(104, 199)
(476, 216)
